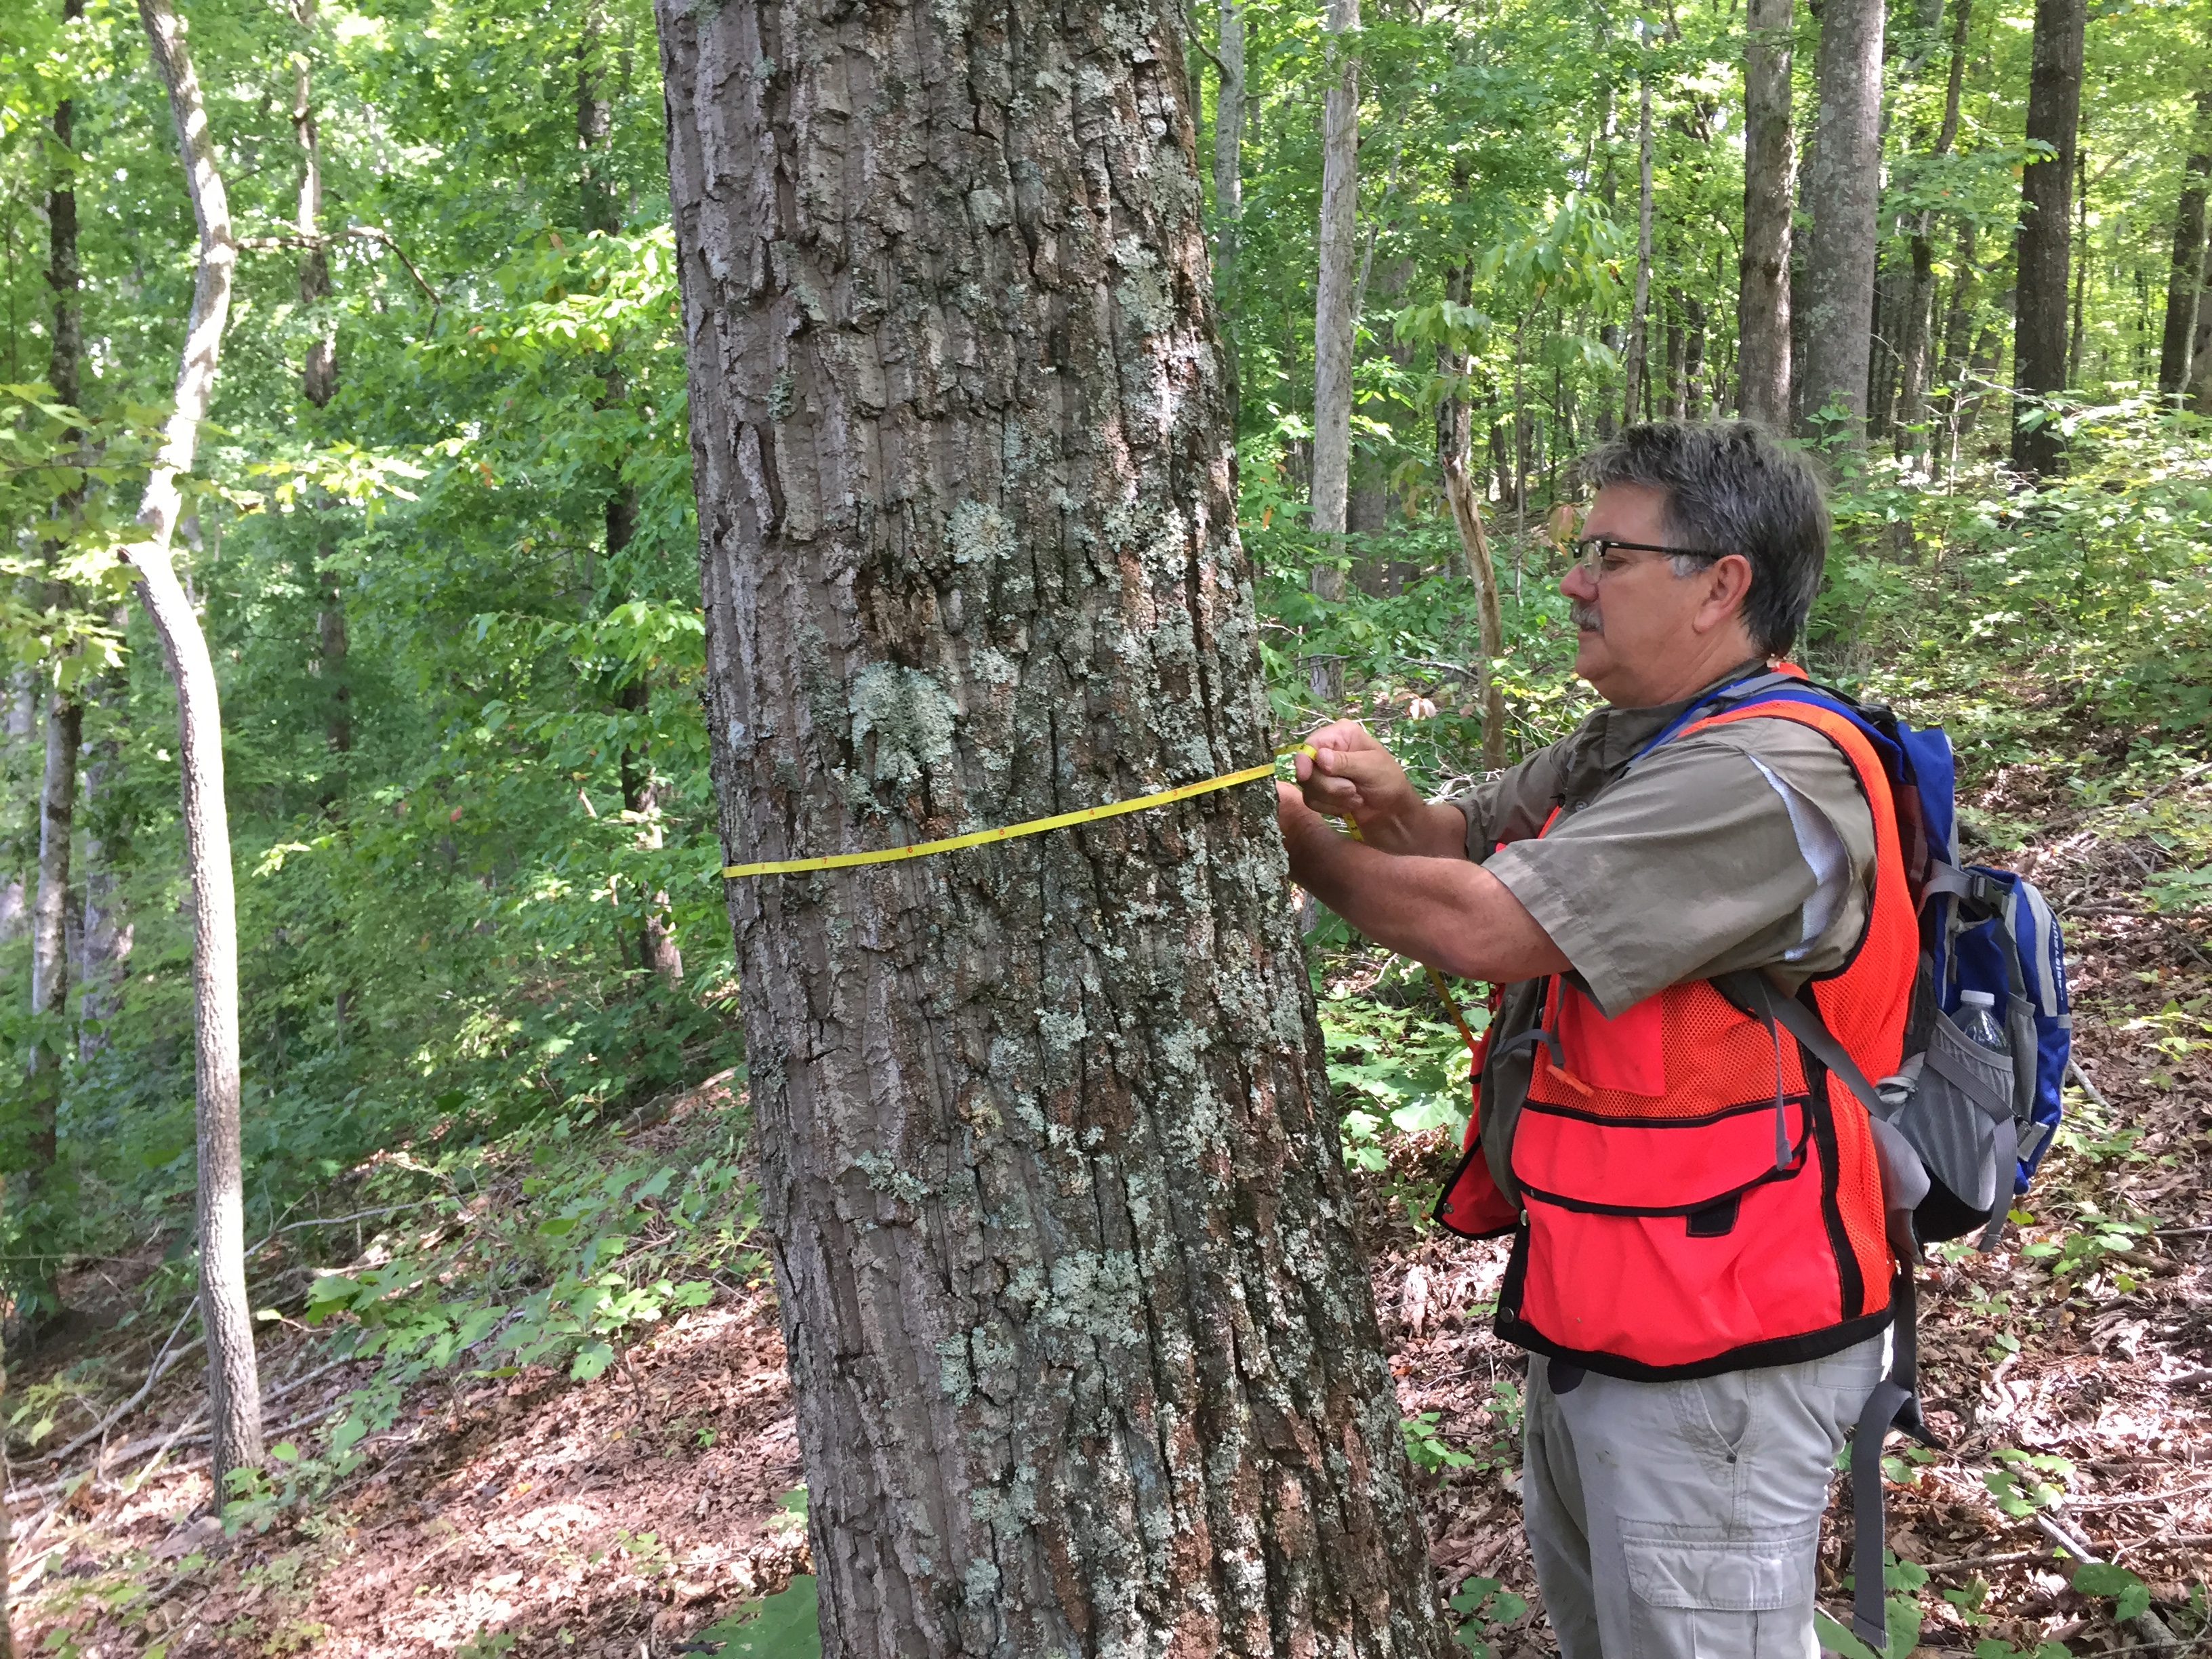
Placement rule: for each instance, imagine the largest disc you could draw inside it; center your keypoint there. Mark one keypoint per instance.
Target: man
(1699, 1266)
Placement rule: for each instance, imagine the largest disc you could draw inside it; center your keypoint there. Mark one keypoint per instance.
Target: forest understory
(2069, 1372)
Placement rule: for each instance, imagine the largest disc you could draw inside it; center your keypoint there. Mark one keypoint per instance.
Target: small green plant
(1484, 1606)
(1904, 1467)
(2024, 1482)
(2130, 1596)
(1967, 1599)
(485, 1644)
(1427, 1448)
(1901, 1583)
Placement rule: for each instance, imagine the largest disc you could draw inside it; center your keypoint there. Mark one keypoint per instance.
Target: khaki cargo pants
(1682, 1520)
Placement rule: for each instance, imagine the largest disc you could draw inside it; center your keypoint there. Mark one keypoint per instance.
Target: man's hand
(1350, 775)
(1441, 910)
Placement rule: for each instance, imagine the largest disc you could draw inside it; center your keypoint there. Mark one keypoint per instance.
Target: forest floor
(530, 1515)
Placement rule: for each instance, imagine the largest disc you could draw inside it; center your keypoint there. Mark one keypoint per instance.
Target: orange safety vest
(1695, 1197)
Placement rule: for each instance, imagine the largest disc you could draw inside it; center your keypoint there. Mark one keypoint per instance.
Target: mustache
(1586, 617)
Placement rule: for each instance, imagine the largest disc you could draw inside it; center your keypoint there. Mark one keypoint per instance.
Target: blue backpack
(1979, 1122)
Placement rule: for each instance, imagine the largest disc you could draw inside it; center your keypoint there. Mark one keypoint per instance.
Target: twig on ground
(2153, 1627)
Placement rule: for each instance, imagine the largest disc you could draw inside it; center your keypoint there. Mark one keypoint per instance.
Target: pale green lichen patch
(886, 1175)
(911, 718)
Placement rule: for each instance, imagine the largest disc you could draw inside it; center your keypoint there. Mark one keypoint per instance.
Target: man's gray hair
(1732, 488)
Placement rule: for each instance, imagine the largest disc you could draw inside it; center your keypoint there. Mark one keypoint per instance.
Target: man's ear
(1728, 585)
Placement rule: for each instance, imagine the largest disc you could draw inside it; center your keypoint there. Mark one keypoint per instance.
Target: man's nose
(1577, 583)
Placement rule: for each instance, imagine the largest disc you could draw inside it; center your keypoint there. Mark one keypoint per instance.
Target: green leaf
(784, 1625)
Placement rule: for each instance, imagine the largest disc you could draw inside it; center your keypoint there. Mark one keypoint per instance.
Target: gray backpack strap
(1757, 995)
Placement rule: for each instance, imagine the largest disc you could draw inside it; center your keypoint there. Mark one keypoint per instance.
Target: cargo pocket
(1697, 1590)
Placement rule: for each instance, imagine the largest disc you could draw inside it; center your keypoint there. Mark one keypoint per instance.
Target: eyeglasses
(1597, 554)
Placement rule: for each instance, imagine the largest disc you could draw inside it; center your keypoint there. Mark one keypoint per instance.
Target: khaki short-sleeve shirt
(1748, 845)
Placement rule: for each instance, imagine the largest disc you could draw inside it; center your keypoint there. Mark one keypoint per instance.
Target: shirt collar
(1612, 737)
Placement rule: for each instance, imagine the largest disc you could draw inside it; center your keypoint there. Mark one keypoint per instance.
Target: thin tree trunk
(1959, 319)
(2081, 266)
(1695, 403)
(656, 941)
(234, 1382)
(1333, 323)
(1770, 191)
(64, 722)
(1454, 433)
(1081, 1339)
(107, 928)
(1634, 394)
(1916, 353)
(1228, 177)
(2185, 279)
(1842, 187)
(21, 840)
(1455, 460)
(319, 384)
(1677, 393)
(2046, 234)
(50, 930)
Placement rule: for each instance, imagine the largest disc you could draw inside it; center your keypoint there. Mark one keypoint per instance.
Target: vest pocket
(1668, 1246)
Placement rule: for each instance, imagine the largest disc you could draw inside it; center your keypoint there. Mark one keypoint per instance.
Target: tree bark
(234, 1382)
(2185, 280)
(1080, 1335)
(1770, 191)
(1842, 189)
(2054, 112)
(1228, 177)
(1634, 391)
(1333, 323)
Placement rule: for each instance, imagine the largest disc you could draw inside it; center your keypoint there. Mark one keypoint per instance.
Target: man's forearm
(1431, 828)
(1445, 912)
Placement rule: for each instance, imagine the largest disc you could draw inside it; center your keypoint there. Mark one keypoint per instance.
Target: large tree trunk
(1633, 397)
(1841, 190)
(1080, 1335)
(2054, 111)
(1336, 279)
(1228, 177)
(1770, 192)
(2185, 280)
(234, 1382)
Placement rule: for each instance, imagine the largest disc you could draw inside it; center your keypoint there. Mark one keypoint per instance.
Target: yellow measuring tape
(1033, 827)
(1062, 821)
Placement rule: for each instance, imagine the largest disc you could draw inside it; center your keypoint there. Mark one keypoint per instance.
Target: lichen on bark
(1084, 1350)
